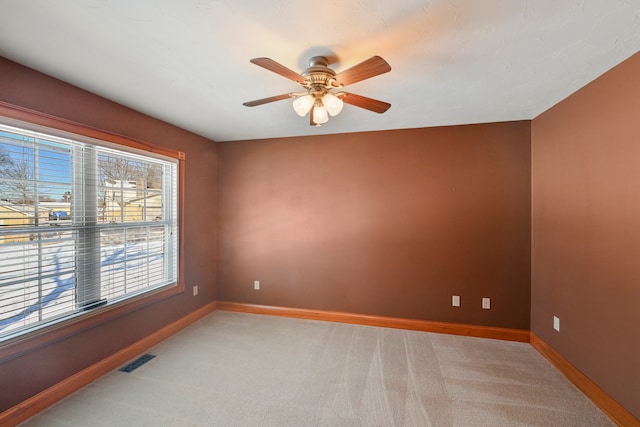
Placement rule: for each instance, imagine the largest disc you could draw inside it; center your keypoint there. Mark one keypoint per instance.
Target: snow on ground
(37, 279)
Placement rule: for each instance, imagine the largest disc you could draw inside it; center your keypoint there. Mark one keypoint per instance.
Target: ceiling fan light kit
(332, 103)
(303, 104)
(319, 114)
(319, 80)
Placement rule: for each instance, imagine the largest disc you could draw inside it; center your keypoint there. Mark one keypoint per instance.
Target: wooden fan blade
(277, 68)
(364, 102)
(370, 68)
(266, 100)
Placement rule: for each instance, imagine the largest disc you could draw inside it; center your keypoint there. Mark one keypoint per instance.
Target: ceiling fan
(319, 80)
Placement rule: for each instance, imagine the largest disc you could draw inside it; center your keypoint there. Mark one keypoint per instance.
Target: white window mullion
(126, 257)
(34, 181)
(40, 281)
(36, 222)
(88, 255)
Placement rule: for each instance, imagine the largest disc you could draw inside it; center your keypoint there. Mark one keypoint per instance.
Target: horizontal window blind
(81, 225)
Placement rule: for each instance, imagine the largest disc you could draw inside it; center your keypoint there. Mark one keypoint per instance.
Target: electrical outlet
(455, 300)
(486, 303)
(195, 290)
(256, 285)
(556, 323)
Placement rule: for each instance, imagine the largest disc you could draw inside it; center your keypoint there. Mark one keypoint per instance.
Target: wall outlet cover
(486, 303)
(455, 300)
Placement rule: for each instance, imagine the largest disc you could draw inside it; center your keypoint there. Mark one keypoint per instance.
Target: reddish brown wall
(27, 375)
(586, 230)
(386, 223)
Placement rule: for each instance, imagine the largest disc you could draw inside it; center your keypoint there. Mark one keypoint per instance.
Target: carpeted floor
(235, 369)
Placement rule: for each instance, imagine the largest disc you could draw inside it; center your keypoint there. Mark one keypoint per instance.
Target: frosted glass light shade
(332, 103)
(320, 115)
(303, 104)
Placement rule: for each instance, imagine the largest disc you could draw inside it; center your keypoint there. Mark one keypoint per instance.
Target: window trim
(47, 335)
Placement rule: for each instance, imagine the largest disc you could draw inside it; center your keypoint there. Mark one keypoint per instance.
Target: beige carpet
(234, 369)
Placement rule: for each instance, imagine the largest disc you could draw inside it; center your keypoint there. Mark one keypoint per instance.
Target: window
(82, 225)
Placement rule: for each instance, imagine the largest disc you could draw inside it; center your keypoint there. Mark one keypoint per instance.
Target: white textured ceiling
(453, 61)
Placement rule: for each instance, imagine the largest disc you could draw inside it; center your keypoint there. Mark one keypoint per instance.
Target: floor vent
(136, 363)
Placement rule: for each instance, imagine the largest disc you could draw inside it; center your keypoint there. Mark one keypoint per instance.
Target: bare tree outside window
(129, 189)
(17, 180)
(5, 160)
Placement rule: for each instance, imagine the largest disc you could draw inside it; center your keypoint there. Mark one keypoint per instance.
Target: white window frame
(79, 319)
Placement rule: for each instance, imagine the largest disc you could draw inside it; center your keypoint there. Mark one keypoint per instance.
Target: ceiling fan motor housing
(318, 77)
